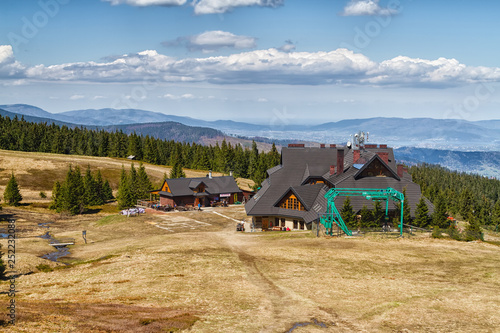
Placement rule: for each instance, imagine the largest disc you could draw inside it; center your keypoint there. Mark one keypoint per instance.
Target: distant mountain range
(481, 162)
(456, 144)
(454, 134)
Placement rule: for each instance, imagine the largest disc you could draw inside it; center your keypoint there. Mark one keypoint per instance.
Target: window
(295, 224)
(282, 222)
(292, 203)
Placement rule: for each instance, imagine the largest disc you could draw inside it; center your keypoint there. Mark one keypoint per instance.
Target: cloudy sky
(261, 61)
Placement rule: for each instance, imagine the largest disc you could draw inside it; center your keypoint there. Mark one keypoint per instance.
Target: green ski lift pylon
(332, 214)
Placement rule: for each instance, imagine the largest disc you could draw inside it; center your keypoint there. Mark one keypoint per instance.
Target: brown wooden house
(203, 190)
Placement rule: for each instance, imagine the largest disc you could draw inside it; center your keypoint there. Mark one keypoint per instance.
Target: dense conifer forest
(470, 197)
(21, 135)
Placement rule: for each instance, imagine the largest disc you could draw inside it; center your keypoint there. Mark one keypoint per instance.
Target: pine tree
(124, 195)
(495, 214)
(107, 192)
(56, 203)
(91, 196)
(74, 192)
(177, 171)
(378, 213)
(422, 214)
(366, 217)
(143, 183)
(99, 188)
(439, 217)
(406, 209)
(347, 213)
(274, 157)
(12, 196)
(473, 230)
(467, 204)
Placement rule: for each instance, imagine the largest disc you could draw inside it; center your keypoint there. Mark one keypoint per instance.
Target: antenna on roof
(360, 138)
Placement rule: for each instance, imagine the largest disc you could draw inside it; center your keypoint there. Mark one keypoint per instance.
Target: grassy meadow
(191, 271)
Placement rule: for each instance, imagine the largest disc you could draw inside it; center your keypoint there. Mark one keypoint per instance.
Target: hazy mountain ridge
(452, 134)
(456, 144)
(480, 162)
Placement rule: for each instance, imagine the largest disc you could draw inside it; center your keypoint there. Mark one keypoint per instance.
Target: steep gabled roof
(306, 194)
(367, 164)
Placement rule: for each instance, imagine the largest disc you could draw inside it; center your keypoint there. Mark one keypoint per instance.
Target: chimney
(210, 174)
(333, 145)
(296, 145)
(370, 146)
(383, 146)
(322, 145)
(356, 155)
(384, 157)
(332, 170)
(340, 161)
(400, 170)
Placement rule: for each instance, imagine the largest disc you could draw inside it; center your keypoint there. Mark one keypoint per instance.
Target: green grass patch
(111, 219)
(44, 268)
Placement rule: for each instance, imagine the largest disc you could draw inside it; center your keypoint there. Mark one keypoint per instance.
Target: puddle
(313, 322)
(3, 235)
(62, 251)
(45, 236)
(44, 225)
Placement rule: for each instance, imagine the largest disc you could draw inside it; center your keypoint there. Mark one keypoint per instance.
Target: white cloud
(210, 41)
(367, 7)
(179, 97)
(222, 6)
(144, 3)
(262, 100)
(270, 66)
(76, 97)
(289, 46)
(201, 6)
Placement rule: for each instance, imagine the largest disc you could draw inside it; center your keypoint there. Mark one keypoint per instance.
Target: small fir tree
(439, 217)
(347, 213)
(12, 196)
(473, 230)
(422, 214)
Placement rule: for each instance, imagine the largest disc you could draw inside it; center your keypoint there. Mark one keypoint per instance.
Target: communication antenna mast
(360, 138)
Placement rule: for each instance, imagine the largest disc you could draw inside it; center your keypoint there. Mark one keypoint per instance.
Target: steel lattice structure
(332, 214)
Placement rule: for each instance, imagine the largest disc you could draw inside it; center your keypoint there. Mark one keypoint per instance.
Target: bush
(436, 232)
(44, 268)
(43, 195)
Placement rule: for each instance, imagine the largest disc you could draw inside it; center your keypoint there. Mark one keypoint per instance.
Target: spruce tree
(12, 196)
(107, 192)
(473, 230)
(439, 217)
(347, 213)
(143, 183)
(366, 217)
(91, 196)
(177, 171)
(73, 191)
(124, 195)
(56, 202)
(99, 188)
(495, 214)
(422, 214)
(378, 213)
(274, 157)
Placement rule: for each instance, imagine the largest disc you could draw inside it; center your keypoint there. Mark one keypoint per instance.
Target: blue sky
(254, 60)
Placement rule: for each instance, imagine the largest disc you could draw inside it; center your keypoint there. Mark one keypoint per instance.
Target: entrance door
(265, 223)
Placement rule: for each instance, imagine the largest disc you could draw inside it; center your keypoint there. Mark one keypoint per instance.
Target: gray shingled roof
(214, 185)
(301, 163)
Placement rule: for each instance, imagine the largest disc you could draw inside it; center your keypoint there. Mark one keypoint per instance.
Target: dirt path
(281, 307)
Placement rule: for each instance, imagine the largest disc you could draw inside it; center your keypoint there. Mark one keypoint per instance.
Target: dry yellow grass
(213, 279)
(37, 172)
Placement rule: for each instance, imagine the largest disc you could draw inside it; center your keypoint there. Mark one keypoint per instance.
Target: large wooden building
(293, 194)
(202, 190)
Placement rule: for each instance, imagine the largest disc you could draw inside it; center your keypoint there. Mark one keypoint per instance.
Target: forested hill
(461, 193)
(168, 130)
(19, 134)
(165, 130)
